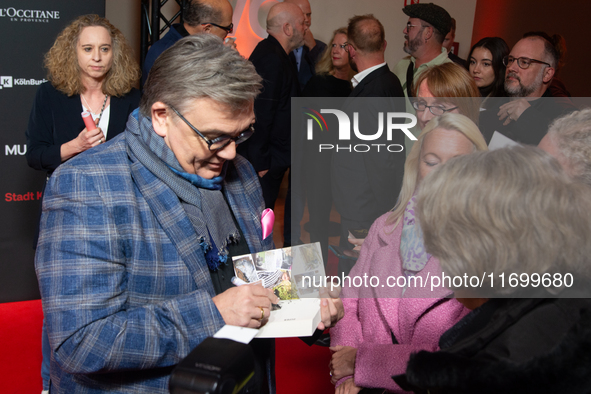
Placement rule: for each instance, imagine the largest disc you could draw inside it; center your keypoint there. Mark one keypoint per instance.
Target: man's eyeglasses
(436, 110)
(522, 62)
(409, 26)
(228, 28)
(342, 46)
(219, 142)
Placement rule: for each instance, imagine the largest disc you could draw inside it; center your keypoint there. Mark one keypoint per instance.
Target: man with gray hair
(137, 236)
(569, 141)
(199, 16)
(269, 150)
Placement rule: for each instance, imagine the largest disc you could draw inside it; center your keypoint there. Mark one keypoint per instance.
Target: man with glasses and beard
(425, 31)
(525, 117)
(427, 26)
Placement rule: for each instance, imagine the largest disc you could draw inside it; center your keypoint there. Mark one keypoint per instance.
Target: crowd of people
(142, 213)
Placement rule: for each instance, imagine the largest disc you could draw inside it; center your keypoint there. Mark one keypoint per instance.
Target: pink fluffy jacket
(416, 318)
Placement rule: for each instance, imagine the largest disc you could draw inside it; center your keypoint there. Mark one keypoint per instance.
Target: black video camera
(216, 366)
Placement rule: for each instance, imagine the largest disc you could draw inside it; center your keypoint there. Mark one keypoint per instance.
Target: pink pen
(267, 221)
(88, 121)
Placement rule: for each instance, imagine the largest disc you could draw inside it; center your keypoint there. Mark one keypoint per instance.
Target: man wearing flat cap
(427, 26)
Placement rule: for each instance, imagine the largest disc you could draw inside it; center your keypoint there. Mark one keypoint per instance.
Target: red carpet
(20, 336)
(300, 368)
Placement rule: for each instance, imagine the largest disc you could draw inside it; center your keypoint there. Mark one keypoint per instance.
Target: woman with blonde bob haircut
(410, 180)
(446, 88)
(511, 211)
(384, 325)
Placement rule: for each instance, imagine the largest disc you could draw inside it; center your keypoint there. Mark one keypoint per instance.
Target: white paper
(294, 274)
(296, 318)
(235, 333)
(499, 141)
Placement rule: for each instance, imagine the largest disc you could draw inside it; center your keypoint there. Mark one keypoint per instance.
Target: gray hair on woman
(511, 210)
(571, 134)
(200, 66)
(448, 121)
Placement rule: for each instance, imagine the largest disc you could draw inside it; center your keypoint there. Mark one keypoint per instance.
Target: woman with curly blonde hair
(90, 68)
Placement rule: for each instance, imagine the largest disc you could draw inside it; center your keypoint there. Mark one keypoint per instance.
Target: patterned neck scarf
(201, 198)
(412, 246)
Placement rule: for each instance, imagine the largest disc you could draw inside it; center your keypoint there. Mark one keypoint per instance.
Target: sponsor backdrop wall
(28, 28)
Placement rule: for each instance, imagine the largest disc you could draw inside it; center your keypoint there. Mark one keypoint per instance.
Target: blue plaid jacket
(125, 286)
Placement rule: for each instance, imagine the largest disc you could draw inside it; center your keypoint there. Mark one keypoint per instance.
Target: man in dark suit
(269, 149)
(306, 56)
(199, 16)
(448, 43)
(366, 185)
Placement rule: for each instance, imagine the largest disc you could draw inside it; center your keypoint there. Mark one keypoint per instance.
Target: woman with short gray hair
(509, 214)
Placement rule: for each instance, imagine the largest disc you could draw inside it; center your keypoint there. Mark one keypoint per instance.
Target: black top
(222, 278)
(510, 346)
(272, 107)
(364, 186)
(56, 119)
(457, 60)
(379, 83)
(325, 85)
(533, 123)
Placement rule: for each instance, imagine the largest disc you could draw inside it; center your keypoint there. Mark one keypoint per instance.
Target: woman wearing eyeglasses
(382, 326)
(446, 88)
(333, 72)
